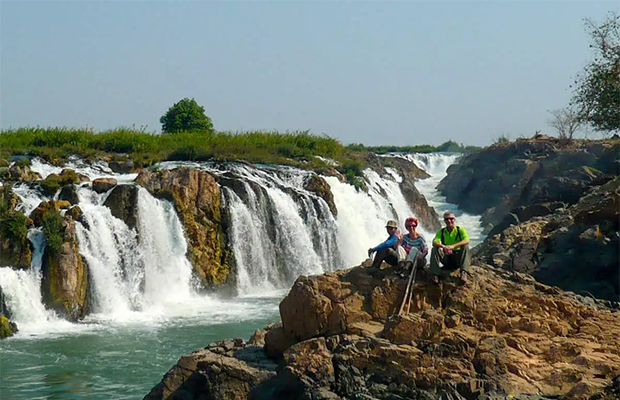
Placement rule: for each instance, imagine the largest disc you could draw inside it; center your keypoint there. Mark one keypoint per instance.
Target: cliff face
(500, 334)
(197, 199)
(526, 172)
(575, 248)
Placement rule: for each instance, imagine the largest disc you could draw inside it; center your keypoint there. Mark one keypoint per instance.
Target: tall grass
(55, 144)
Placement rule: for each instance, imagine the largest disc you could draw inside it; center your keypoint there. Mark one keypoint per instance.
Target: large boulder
(19, 173)
(7, 328)
(64, 285)
(197, 200)
(123, 203)
(501, 333)
(225, 370)
(53, 182)
(321, 188)
(575, 248)
(102, 185)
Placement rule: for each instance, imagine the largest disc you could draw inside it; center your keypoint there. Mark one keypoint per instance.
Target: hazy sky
(376, 72)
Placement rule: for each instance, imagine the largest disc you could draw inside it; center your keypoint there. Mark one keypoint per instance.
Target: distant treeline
(449, 146)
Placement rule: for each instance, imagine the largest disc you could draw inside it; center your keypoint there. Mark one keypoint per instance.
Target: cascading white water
(130, 273)
(22, 293)
(278, 231)
(436, 164)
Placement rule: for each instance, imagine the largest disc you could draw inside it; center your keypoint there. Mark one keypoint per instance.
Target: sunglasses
(449, 219)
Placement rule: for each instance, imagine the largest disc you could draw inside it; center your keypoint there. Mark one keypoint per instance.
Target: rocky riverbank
(502, 334)
(552, 210)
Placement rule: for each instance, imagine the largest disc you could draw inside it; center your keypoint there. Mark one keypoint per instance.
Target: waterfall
(277, 230)
(22, 293)
(132, 272)
(436, 164)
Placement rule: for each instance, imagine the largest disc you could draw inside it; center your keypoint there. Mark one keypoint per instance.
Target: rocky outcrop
(575, 248)
(121, 167)
(223, 370)
(123, 204)
(526, 172)
(7, 328)
(47, 206)
(67, 176)
(64, 285)
(19, 173)
(321, 188)
(500, 335)
(102, 185)
(197, 199)
(15, 248)
(410, 173)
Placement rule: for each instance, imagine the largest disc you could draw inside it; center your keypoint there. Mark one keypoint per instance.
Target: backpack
(458, 234)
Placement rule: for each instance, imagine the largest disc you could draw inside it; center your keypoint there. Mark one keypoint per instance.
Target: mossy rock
(7, 328)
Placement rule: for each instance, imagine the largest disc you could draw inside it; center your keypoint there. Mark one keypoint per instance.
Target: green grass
(55, 144)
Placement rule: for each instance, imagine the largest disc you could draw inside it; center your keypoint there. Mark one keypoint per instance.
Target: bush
(53, 230)
(14, 226)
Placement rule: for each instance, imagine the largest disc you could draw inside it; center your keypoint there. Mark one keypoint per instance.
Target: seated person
(388, 250)
(450, 249)
(414, 244)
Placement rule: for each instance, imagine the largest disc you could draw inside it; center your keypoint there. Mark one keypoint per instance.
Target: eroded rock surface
(196, 197)
(502, 334)
(64, 285)
(575, 248)
(525, 172)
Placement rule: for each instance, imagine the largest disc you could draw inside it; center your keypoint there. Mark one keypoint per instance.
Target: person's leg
(437, 256)
(392, 257)
(379, 257)
(464, 258)
(412, 257)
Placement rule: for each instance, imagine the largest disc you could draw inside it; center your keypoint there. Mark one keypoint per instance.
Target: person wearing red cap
(414, 244)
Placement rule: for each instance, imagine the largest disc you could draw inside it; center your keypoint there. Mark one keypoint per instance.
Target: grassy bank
(144, 149)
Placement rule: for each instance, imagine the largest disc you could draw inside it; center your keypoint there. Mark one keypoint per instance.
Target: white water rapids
(277, 231)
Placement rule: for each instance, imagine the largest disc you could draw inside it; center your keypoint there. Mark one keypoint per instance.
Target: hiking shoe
(464, 275)
(435, 279)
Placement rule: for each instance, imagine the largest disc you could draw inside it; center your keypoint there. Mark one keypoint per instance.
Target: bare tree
(566, 121)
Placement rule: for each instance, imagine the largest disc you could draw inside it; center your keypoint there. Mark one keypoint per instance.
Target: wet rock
(65, 276)
(321, 188)
(123, 204)
(76, 213)
(7, 328)
(196, 197)
(102, 185)
(22, 174)
(69, 193)
(121, 167)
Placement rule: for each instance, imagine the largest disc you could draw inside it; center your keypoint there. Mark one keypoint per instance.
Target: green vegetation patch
(53, 230)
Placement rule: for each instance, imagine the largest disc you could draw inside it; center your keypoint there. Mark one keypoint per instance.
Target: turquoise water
(108, 359)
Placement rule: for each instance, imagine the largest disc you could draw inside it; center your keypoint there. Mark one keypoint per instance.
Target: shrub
(14, 226)
(53, 230)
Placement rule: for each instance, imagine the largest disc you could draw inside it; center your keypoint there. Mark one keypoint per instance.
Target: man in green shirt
(450, 249)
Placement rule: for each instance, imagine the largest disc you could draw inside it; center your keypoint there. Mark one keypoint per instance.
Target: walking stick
(415, 269)
(402, 306)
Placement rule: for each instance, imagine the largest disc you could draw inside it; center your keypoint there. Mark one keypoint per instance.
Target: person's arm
(437, 240)
(424, 249)
(463, 242)
(390, 242)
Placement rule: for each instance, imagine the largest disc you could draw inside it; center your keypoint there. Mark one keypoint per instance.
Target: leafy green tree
(597, 89)
(186, 115)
